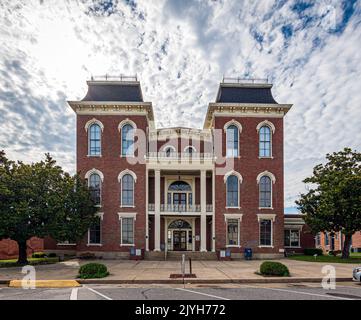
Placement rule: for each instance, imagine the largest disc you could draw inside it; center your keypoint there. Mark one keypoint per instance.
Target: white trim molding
(96, 171)
(127, 215)
(233, 173)
(266, 216)
(100, 215)
(233, 216)
(127, 171)
(233, 122)
(268, 124)
(266, 173)
(92, 121)
(126, 121)
(164, 148)
(190, 147)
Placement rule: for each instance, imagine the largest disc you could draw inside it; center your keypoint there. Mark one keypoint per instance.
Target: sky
(180, 50)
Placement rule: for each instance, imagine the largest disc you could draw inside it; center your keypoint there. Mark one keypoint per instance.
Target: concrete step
(177, 255)
(152, 255)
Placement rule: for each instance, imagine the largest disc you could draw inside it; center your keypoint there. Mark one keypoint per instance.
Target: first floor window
(233, 232)
(94, 233)
(265, 232)
(127, 231)
(292, 238)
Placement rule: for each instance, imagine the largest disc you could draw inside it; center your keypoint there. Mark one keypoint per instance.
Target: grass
(32, 261)
(354, 258)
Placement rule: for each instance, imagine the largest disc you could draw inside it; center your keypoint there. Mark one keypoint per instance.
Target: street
(299, 291)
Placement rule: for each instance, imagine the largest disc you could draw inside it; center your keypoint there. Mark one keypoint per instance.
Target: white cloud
(180, 50)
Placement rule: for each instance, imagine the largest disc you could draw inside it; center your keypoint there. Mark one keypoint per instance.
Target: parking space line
(204, 294)
(74, 294)
(98, 293)
(302, 292)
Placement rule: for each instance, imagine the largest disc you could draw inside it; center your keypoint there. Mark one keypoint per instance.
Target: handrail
(180, 207)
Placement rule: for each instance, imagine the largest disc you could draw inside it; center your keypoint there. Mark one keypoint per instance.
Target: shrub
(52, 255)
(38, 255)
(271, 268)
(313, 251)
(86, 256)
(93, 270)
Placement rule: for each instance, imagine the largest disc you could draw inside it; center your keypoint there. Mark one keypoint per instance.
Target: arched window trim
(239, 178)
(234, 173)
(93, 121)
(120, 128)
(266, 173)
(127, 171)
(92, 171)
(124, 122)
(239, 131)
(270, 142)
(169, 146)
(268, 124)
(190, 147)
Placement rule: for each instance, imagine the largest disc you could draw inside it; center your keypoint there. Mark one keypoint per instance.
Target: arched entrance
(179, 235)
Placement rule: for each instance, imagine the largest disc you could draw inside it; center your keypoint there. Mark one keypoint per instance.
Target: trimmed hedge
(93, 270)
(313, 251)
(271, 268)
(52, 255)
(38, 255)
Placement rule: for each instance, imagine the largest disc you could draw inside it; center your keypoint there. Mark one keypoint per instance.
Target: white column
(146, 212)
(157, 211)
(214, 210)
(203, 212)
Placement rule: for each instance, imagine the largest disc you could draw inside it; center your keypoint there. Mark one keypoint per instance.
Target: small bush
(86, 256)
(38, 255)
(52, 255)
(270, 268)
(313, 251)
(93, 270)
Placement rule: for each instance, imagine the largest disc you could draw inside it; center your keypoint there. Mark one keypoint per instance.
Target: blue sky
(180, 50)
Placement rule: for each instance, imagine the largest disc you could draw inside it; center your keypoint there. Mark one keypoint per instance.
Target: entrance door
(179, 240)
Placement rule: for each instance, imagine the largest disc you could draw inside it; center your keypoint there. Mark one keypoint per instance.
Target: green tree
(40, 199)
(333, 200)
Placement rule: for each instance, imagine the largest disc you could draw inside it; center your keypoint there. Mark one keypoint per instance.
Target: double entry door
(179, 240)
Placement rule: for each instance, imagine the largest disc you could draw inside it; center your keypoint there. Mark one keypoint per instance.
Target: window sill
(94, 244)
(127, 245)
(271, 157)
(290, 247)
(126, 206)
(265, 208)
(233, 207)
(271, 247)
(94, 155)
(232, 246)
(66, 244)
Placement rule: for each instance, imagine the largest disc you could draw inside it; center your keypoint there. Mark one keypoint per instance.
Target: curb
(45, 283)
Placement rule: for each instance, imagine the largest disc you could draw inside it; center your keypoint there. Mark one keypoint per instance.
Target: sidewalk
(127, 271)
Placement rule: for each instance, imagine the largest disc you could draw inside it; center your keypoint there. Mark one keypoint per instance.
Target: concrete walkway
(159, 271)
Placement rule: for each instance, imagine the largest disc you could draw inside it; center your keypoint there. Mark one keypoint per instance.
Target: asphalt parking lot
(299, 291)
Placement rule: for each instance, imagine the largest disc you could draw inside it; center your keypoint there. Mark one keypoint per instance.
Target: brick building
(334, 242)
(182, 189)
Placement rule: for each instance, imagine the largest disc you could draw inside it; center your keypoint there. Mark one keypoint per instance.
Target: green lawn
(32, 261)
(354, 258)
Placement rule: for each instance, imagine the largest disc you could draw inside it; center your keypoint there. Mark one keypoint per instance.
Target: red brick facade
(328, 242)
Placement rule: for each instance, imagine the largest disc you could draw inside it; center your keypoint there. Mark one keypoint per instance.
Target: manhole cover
(343, 295)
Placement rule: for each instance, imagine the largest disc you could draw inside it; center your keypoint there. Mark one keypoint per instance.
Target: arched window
(265, 192)
(180, 186)
(189, 150)
(127, 190)
(179, 224)
(232, 141)
(265, 141)
(232, 191)
(169, 151)
(127, 140)
(94, 140)
(95, 188)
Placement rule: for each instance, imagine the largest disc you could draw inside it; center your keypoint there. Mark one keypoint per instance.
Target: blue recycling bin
(248, 253)
(132, 251)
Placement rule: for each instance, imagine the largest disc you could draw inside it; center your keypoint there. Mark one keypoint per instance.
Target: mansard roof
(124, 91)
(245, 93)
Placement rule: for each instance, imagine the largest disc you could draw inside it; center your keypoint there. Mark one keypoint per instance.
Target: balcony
(179, 208)
(179, 156)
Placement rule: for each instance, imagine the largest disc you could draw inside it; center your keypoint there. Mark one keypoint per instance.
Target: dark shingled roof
(113, 91)
(245, 94)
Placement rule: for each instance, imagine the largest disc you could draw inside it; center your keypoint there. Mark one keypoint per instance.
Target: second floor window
(94, 140)
(95, 188)
(232, 141)
(232, 191)
(265, 192)
(127, 197)
(127, 140)
(265, 142)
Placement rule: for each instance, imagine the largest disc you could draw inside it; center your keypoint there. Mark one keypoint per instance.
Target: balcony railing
(180, 155)
(179, 208)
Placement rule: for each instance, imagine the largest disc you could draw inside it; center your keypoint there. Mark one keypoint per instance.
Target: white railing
(244, 80)
(179, 155)
(179, 208)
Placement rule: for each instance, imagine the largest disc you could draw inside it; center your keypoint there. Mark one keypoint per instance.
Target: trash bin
(248, 253)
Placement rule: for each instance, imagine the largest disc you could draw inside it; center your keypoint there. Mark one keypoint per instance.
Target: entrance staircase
(177, 255)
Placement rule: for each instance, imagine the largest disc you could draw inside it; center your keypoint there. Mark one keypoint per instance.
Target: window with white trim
(127, 230)
(265, 232)
(265, 142)
(232, 191)
(233, 232)
(94, 136)
(232, 141)
(127, 140)
(127, 196)
(95, 232)
(265, 192)
(292, 238)
(95, 188)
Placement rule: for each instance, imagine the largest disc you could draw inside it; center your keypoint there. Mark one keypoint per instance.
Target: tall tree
(40, 200)
(333, 200)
